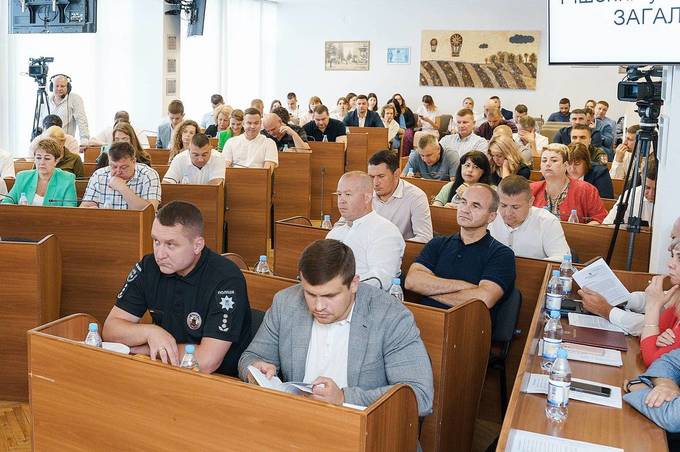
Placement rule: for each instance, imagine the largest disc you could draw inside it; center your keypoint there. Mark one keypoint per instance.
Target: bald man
(283, 134)
(376, 242)
(69, 107)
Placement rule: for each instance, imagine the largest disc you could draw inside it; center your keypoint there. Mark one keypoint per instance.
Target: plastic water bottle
(262, 266)
(285, 147)
(410, 173)
(93, 338)
(573, 218)
(552, 340)
(553, 299)
(566, 274)
(108, 203)
(559, 384)
(326, 223)
(23, 200)
(396, 291)
(325, 139)
(189, 359)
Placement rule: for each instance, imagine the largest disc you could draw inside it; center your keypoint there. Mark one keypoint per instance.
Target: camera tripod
(40, 100)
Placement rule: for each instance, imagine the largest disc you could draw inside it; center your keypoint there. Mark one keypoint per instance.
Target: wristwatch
(635, 381)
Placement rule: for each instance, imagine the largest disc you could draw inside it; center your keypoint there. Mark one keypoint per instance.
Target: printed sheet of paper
(601, 279)
(592, 321)
(523, 441)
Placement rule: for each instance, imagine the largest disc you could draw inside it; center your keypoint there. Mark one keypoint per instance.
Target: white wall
(117, 68)
(304, 25)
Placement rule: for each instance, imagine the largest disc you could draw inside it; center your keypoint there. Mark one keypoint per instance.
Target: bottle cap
(567, 257)
(562, 353)
(556, 273)
(326, 218)
(263, 258)
(573, 210)
(396, 281)
(92, 327)
(189, 348)
(554, 314)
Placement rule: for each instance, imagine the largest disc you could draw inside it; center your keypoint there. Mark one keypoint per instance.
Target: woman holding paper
(661, 331)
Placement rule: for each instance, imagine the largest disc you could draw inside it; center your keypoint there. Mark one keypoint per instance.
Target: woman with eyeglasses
(473, 168)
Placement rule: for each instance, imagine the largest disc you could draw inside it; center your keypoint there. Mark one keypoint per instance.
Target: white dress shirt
(295, 115)
(182, 171)
(409, 209)
(328, 351)
(630, 319)
(6, 165)
(71, 110)
(618, 169)
(377, 245)
(251, 153)
(361, 120)
(525, 149)
(462, 146)
(431, 115)
(647, 208)
(540, 236)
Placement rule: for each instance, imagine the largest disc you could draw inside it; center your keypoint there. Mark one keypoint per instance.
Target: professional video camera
(37, 69)
(646, 94)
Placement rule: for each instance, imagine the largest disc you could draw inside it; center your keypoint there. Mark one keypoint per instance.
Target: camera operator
(68, 106)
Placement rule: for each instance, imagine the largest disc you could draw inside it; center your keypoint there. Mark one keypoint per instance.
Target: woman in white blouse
(428, 115)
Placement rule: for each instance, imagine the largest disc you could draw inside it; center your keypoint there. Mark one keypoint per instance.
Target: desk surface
(623, 428)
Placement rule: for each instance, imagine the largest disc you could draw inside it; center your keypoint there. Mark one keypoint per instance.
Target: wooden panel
(220, 413)
(91, 153)
(623, 428)
(608, 203)
(549, 129)
(96, 260)
(357, 152)
(291, 239)
(618, 187)
(431, 187)
(262, 288)
(214, 141)
(30, 277)
(158, 156)
(292, 184)
(210, 201)
(21, 165)
(9, 181)
(327, 166)
(377, 139)
(152, 141)
(444, 221)
(248, 211)
(535, 176)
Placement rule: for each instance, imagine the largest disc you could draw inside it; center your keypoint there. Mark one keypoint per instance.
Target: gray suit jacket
(164, 136)
(384, 346)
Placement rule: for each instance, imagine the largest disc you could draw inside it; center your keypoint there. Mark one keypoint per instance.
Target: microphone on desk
(77, 200)
(8, 197)
(323, 173)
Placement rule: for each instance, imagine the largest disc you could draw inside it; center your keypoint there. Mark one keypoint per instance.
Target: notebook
(596, 338)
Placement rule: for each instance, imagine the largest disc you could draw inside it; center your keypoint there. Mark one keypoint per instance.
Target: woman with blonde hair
(123, 131)
(235, 128)
(184, 132)
(222, 115)
(69, 161)
(505, 159)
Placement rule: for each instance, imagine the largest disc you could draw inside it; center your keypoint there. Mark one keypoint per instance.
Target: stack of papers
(523, 441)
(595, 355)
(538, 384)
(592, 321)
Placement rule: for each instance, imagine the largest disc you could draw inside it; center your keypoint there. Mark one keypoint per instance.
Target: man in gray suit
(165, 129)
(351, 341)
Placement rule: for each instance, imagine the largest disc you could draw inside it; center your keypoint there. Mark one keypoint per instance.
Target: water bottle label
(566, 284)
(550, 347)
(558, 393)
(553, 302)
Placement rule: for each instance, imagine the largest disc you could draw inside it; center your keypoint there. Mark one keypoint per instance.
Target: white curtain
(7, 139)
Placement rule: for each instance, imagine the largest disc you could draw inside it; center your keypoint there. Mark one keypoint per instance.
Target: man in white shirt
(623, 153)
(293, 109)
(377, 244)
(530, 142)
(529, 231)
(6, 165)
(465, 140)
(251, 149)
(106, 135)
(200, 164)
(53, 120)
(399, 201)
(648, 195)
(68, 106)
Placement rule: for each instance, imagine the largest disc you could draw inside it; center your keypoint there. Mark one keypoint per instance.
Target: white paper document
(538, 384)
(523, 441)
(601, 279)
(592, 321)
(595, 355)
(276, 383)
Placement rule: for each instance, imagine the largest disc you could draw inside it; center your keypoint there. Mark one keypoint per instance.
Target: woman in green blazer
(46, 185)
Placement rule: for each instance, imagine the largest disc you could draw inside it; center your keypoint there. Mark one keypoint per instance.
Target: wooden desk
(158, 156)
(293, 184)
(9, 182)
(327, 166)
(91, 153)
(618, 187)
(451, 337)
(248, 211)
(22, 164)
(624, 428)
(377, 139)
(210, 201)
(444, 220)
(30, 277)
(98, 248)
(357, 152)
(189, 410)
(431, 187)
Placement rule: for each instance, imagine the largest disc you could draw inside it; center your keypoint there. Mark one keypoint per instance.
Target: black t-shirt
(287, 139)
(211, 301)
(334, 129)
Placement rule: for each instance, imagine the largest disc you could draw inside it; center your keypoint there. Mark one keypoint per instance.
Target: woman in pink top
(560, 194)
(661, 331)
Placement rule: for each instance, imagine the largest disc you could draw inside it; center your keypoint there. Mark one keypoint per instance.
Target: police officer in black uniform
(194, 296)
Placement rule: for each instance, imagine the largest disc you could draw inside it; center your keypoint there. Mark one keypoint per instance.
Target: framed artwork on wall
(398, 55)
(347, 55)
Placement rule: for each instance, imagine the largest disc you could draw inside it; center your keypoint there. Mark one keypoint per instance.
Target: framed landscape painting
(347, 55)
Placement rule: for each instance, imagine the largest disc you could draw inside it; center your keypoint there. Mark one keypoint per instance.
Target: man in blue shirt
(563, 114)
(471, 264)
(578, 116)
(431, 161)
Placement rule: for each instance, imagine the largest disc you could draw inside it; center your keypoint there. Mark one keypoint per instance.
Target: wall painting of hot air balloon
(479, 59)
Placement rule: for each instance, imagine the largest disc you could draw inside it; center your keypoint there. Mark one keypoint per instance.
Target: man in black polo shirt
(194, 296)
(471, 264)
(325, 126)
(283, 134)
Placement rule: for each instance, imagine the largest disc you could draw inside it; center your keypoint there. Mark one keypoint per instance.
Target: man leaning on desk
(351, 341)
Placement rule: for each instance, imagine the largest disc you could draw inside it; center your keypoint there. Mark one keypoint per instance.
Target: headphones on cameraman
(68, 82)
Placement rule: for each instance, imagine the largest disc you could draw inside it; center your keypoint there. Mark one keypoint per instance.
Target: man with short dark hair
(607, 126)
(528, 231)
(464, 140)
(582, 134)
(623, 153)
(506, 114)
(322, 125)
(362, 116)
(282, 133)
(471, 264)
(563, 114)
(351, 341)
(521, 111)
(166, 130)
(493, 120)
(251, 149)
(200, 164)
(194, 296)
(71, 144)
(293, 108)
(431, 161)
(578, 116)
(124, 183)
(401, 202)
(208, 119)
